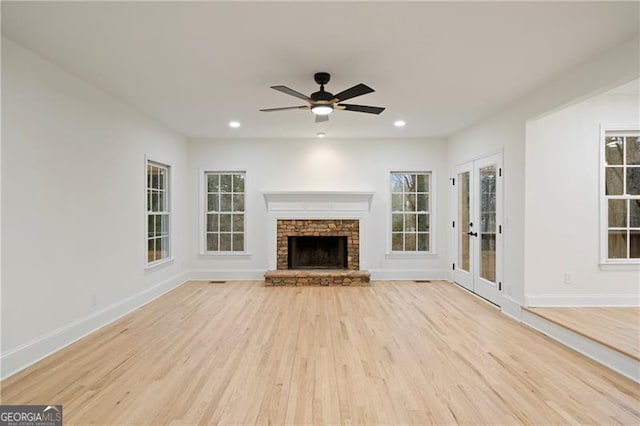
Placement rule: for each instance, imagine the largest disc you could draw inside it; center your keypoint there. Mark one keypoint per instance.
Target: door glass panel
(487, 231)
(463, 221)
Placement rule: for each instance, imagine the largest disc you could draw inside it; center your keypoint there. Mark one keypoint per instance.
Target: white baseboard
(587, 300)
(21, 357)
(612, 359)
(258, 274)
(408, 274)
(227, 274)
(511, 308)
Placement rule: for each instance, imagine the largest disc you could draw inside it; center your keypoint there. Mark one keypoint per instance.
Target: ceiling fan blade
(358, 90)
(321, 118)
(285, 108)
(285, 89)
(362, 108)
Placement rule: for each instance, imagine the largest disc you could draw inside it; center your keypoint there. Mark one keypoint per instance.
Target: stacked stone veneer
(318, 228)
(316, 277)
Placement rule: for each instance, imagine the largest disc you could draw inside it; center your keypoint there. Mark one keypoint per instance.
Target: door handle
(473, 234)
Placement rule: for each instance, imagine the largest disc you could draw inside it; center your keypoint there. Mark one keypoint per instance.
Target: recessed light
(321, 135)
(399, 123)
(234, 124)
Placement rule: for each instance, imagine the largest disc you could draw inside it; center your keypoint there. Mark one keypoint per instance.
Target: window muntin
(225, 212)
(622, 195)
(410, 212)
(158, 213)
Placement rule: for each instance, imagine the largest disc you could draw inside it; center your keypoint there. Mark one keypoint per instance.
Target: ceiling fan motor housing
(321, 96)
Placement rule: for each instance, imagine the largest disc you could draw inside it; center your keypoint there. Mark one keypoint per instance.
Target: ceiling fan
(322, 103)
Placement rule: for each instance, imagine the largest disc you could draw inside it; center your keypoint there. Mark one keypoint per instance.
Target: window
(158, 211)
(622, 196)
(224, 212)
(410, 212)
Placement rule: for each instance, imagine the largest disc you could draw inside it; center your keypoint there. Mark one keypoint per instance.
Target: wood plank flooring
(617, 328)
(393, 353)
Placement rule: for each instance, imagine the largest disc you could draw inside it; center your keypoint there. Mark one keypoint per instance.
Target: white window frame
(394, 254)
(203, 214)
(166, 212)
(605, 131)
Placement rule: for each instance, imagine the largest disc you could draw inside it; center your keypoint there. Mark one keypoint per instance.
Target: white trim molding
(510, 307)
(606, 356)
(21, 357)
(297, 201)
(409, 274)
(585, 300)
(227, 274)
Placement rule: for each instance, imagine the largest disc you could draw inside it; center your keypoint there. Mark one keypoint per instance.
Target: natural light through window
(158, 211)
(410, 212)
(622, 195)
(224, 216)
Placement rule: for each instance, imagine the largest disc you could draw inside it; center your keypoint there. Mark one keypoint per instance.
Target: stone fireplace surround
(318, 228)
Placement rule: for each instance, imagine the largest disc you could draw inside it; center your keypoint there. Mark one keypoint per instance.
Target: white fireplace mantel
(318, 201)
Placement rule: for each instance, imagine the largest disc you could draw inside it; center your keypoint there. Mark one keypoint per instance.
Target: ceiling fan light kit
(322, 109)
(322, 103)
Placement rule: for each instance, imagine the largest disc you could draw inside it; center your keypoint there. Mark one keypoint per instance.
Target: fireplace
(317, 252)
(315, 236)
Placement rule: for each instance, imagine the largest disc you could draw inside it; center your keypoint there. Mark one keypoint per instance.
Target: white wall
(318, 165)
(73, 221)
(506, 130)
(563, 206)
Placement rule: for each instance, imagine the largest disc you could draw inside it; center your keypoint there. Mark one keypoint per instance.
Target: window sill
(224, 254)
(620, 266)
(155, 265)
(410, 255)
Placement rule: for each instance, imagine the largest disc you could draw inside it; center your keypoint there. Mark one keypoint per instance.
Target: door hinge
(453, 266)
(500, 171)
(499, 285)
(499, 229)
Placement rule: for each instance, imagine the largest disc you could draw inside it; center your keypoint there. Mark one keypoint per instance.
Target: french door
(477, 226)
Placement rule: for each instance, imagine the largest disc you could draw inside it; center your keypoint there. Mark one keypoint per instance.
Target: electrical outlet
(568, 278)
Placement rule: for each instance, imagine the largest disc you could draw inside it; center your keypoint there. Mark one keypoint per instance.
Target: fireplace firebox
(317, 252)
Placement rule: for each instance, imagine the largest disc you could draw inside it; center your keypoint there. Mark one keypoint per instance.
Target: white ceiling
(439, 66)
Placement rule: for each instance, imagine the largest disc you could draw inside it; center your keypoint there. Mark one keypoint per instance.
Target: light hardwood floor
(393, 353)
(617, 328)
